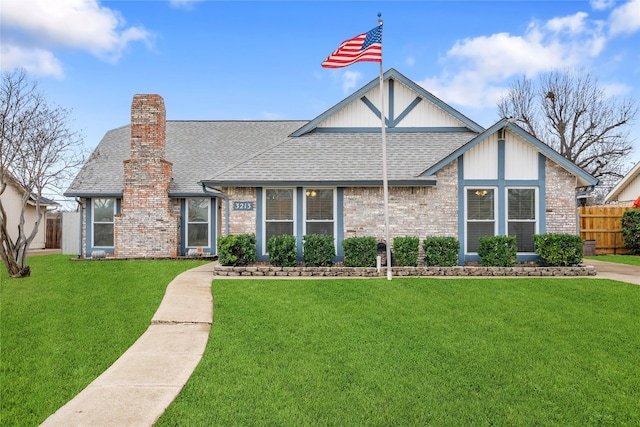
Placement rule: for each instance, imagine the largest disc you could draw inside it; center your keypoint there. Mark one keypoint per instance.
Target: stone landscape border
(467, 271)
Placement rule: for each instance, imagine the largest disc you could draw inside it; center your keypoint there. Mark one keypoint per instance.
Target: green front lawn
(418, 352)
(67, 323)
(335, 352)
(620, 259)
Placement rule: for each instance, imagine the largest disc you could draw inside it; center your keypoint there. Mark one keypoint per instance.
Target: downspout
(80, 243)
(583, 194)
(226, 206)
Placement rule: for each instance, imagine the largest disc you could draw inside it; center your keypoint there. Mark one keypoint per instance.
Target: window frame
(495, 219)
(536, 213)
(265, 220)
(94, 222)
(187, 223)
(334, 210)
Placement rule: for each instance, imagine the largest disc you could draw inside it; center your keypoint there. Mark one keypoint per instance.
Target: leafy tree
(574, 115)
(38, 152)
(630, 225)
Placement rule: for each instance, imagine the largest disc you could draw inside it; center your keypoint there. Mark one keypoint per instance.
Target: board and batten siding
(424, 114)
(521, 160)
(356, 114)
(481, 161)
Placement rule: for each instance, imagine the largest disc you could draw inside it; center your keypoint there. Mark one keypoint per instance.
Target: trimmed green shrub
(237, 249)
(559, 250)
(498, 251)
(360, 251)
(283, 250)
(318, 250)
(441, 251)
(405, 251)
(630, 226)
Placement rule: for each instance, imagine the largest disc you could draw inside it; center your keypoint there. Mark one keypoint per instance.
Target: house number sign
(242, 206)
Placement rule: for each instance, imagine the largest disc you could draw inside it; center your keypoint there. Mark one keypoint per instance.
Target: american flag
(363, 47)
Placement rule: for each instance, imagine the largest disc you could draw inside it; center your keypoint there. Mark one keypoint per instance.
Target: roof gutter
(80, 242)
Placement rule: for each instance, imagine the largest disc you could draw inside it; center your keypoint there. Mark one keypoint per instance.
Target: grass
(417, 352)
(67, 323)
(620, 259)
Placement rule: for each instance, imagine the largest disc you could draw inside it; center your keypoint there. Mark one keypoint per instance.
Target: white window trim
(264, 214)
(466, 214)
(335, 210)
(536, 211)
(93, 221)
(186, 222)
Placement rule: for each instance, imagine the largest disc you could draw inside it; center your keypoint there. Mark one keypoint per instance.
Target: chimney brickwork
(146, 226)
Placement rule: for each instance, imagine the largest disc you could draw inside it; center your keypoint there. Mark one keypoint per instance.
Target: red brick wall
(146, 226)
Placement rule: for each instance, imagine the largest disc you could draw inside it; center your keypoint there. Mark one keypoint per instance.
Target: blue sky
(215, 60)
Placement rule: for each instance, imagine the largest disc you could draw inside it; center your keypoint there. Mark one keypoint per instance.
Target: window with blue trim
(521, 217)
(198, 214)
(481, 216)
(279, 208)
(103, 213)
(320, 211)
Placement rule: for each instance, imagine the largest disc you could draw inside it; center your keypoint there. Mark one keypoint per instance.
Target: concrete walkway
(614, 271)
(143, 382)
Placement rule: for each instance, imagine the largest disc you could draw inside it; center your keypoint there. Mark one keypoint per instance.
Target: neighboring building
(12, 203)
(158, 188)
(627, 191)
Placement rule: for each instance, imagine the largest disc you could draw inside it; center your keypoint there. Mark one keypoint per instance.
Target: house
(158, 188)
(12, 204)
(627, 191)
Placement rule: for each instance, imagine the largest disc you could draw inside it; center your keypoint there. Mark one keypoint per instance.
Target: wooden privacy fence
(53, 232)
(602, 224)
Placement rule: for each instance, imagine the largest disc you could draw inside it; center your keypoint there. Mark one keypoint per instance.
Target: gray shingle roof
(197, 149)
(262, 151)
(345, 157)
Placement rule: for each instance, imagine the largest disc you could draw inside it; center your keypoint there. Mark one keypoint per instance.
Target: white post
(385, 183)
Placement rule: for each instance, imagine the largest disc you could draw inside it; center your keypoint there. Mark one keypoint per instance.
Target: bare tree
(571, 113)
(38, 150)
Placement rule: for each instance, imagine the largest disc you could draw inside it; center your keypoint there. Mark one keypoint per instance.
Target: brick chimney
(147, 226)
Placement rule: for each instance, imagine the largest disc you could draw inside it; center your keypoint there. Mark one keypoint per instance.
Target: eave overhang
(416, 182)
(584, 179)
(617, 189)
(389, 74)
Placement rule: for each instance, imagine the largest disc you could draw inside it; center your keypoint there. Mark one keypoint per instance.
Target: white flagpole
(385, 182)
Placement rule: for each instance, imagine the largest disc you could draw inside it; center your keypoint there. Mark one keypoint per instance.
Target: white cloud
(477, 70)
(602, 4)
(613, 90)
(33, 61)
(625, 19)
(573, 24)
(410, 61)
(349, 80)
(76, 24)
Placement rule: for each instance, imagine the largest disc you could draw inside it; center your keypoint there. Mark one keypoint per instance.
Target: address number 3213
(242, 206)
